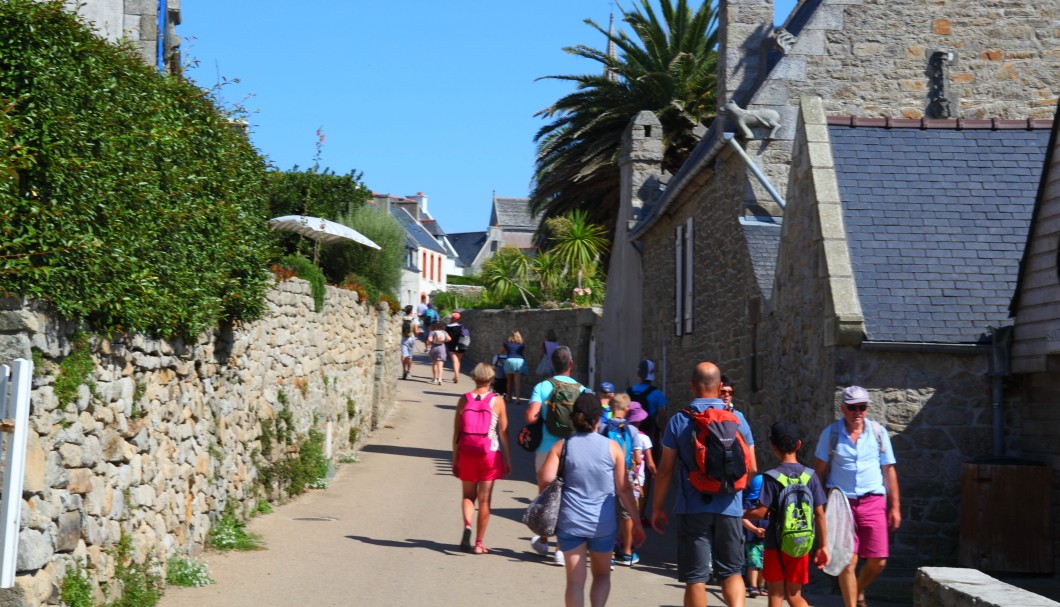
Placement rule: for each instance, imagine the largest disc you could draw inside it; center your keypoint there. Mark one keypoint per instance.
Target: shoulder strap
(834, 438)
(877, 429)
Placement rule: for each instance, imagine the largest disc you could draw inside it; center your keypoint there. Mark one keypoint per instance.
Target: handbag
(530, 436)
(542, 514)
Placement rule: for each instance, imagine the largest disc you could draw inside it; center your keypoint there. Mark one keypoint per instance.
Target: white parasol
(320, 230)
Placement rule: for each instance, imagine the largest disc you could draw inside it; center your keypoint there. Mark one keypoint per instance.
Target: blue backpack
(619, 430)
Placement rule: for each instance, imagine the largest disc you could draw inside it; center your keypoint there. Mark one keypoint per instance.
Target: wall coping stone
(957, 587)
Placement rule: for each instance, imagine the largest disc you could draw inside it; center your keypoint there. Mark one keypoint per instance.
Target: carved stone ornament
(745, 119)
(784, 40)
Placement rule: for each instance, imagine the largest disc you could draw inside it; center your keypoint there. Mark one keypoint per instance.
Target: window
(423, 266)
(683, 278)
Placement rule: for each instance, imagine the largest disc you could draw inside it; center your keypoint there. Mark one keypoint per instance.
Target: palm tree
(549, 271)
(578, 243)
(506, 271)
(668, 68)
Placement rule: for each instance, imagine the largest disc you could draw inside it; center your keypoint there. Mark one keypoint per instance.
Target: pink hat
(636, 413)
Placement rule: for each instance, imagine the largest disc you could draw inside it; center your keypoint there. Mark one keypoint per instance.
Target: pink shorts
(780, 567)
(870, 526)
(476, 468)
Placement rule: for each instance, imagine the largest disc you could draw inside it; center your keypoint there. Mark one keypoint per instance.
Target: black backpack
(406, 327)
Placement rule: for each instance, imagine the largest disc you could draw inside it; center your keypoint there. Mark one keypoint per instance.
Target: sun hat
(636, 413)
(646, 370)
(455, 316)
(855, 394)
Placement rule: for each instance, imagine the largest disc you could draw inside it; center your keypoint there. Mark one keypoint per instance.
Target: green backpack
(794, 507)
(560, 404)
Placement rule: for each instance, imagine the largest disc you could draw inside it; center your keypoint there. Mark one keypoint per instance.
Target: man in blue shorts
(710, 527)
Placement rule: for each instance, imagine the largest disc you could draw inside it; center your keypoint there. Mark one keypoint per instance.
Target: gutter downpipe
(731, 138)
(1000, 367)
(160, 56)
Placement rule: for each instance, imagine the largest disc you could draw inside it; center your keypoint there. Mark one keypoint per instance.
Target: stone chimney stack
(421, 200)
(744, 28)
(640, 164)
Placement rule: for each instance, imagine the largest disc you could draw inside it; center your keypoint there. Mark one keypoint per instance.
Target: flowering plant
(581, 296)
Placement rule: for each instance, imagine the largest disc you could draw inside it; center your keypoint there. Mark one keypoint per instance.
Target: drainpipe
(161, 54)
(1000, 367)
(731, 138)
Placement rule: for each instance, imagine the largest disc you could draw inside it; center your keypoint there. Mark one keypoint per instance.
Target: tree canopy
(667, 66)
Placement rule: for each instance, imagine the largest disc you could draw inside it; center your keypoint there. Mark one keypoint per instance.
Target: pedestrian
(646, 470)
(436, 339)
(544, 368)
(544, 393)
(621, 430)
(652, 400)
(515, 365)
(754, 534)
(430, 316)
(709, 530)
(594, 474)
(481, 453)
(421, 312)
(605, 392)
(410, 329)
(727, 392)
(793, 514)
(854, 454)
(459, 342)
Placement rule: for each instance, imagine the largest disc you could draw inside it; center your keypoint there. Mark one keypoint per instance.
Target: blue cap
(606, 387)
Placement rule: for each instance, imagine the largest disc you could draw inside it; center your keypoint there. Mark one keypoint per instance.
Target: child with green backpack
(794, 499)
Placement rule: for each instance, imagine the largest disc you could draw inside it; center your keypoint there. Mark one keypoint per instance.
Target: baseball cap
(855, 394)
(636, 413)
(455, 316)
(784, 436)
(606, 387)
(589, 405)
(646, 370)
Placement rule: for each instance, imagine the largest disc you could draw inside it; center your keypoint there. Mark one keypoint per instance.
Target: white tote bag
(840, 524)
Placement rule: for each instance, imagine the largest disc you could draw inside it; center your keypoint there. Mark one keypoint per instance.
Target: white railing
(15, 384)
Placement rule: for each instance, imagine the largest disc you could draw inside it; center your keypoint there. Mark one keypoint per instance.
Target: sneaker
(405, 375)
(558, 558)
(539, 546)
(628, 559)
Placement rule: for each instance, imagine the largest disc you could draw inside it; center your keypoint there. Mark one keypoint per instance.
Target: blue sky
(419, 96)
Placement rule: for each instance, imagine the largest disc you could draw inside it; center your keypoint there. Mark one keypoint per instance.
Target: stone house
(426, 254)
(1035, 355)
(149, 25)
(511, 224)
(769, 272)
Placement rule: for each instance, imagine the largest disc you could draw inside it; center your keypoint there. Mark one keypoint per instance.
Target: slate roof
(467, 245)
(432, 227)
(936, 221)
(512, 213)
(763, 240)
(415, 234)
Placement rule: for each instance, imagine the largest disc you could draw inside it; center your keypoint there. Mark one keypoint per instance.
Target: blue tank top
(514, 350)
(588, 505)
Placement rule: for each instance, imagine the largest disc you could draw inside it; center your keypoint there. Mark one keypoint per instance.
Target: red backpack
(475, 421)
(721, 454)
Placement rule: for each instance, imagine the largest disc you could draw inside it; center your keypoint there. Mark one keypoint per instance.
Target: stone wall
(163, 435)
(491, 328)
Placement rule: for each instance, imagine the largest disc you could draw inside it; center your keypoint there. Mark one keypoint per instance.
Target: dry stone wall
(163, 435)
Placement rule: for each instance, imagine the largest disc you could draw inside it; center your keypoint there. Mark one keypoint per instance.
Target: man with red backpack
(711, 452)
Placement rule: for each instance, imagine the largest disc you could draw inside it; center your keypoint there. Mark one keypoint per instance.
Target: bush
(76, 589)
(379, 269)
(230, 533)
(187, 573)
(126, 197)
(304, 269)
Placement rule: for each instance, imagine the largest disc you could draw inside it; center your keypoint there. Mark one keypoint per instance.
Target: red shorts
(475, 468)
(780, 567)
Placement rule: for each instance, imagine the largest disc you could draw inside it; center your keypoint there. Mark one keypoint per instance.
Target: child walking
(754, 539)
(794, 500)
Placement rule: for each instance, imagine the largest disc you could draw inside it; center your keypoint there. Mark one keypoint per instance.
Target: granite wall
(163, 435)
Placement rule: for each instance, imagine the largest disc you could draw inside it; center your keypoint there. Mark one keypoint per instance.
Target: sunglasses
(726, 392)
(861, 407)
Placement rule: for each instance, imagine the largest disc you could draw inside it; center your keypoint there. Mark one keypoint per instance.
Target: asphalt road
(386, 530)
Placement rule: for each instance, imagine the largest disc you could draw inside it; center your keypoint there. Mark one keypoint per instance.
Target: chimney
(421, 200)
(744, 27)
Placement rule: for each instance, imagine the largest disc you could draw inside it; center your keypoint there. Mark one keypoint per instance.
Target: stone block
(14, 346)
(942, 27)
(35, 549)
(35, 479)
(18, 320)
(69, 532)
(954, 587)
(80, 480)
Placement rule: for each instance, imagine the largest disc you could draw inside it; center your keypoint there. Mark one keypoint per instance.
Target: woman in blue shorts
(515, 366)
(594, 473)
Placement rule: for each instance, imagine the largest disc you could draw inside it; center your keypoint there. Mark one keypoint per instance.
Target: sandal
(862, 603)
(479, 548)
(465, 540)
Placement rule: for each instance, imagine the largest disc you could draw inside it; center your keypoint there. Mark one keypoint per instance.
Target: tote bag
(543, 513)
(840, 524)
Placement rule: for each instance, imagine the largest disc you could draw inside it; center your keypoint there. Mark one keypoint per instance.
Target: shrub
(141, 584)
(379, 269)
(126, 197)
(187, 573)
(304, 269)
(230, 533)
(76, 589)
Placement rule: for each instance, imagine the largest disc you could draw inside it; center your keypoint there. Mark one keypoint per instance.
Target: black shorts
(705, 539)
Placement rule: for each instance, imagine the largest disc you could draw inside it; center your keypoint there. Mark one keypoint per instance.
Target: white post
(14, 408)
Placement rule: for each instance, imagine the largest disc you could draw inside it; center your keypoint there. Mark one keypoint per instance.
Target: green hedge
(126, 197)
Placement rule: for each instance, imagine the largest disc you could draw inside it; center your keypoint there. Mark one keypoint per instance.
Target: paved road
(385, 533)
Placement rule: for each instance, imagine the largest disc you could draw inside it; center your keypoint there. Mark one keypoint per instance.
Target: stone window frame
(683, 284)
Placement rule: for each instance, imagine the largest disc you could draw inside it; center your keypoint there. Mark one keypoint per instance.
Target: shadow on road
(409, 543)
(450, 407)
